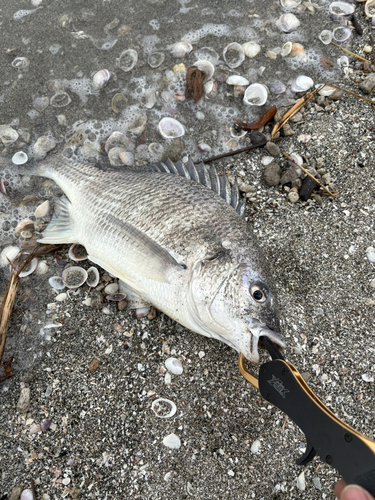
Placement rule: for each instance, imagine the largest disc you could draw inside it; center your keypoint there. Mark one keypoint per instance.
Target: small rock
(367, 48)
(122, 304)
(318, 199)
(289, 175)
(287, 129)
(293, 196)
(255, 447)
(325, 63)
(271, 174)
(316, 483)
(96, 299)
(35, 429)
(243, 187)
(321, 171)
(111, 288)
(308, 186)
(238, 90)
(370, 252)
(230, 473)
(280, 113)
(320, 100)
(326, 179)
(174, 150)
(256, 137)
(372, 284)
(24, 401)
(368, 84)
(16, 492)
(298, 117)
(366, 68)
(40, 104)
(337, 95)
(367, 378)
(273, 149)
(172, 441)
(297, 184)
(94, 365)
(152, 314)
(43, 145)
(304, 138)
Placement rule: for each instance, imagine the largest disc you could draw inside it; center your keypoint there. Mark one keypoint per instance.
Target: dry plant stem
(293, 110)
(33, 490)
(373, 48)
(310, 175)
(351, 93)
(351, 53)
(237, 151)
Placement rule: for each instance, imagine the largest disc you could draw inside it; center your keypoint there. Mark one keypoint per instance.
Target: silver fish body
(173, 243)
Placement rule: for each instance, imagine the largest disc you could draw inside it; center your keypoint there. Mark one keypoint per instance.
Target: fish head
(234, 302)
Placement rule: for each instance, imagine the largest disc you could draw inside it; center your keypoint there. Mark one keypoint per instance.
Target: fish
(175, 236)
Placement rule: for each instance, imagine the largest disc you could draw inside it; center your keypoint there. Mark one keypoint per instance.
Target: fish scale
(173, 242)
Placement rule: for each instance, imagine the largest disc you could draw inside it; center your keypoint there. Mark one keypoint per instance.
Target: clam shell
(370, 9)
(290, 4)
(286, 49)
(204, 147)
(56, 282)
(138, 126)
(40, 104)
(100, 79)
(237, 80)
(149, 100)
(116, 297)
(255, 95)
(114, 156)
(251, 49)
(158, 412)
(127, 158)
(8, 135)
(156, 150)
(174, 365)
(92, 277)
(19, 158)
(302, 83)
(20, 63)
(156, 59)
(29, 268)
(172, 441)
(118, 102)
(42, 209)
(118, 139)
(341, 33)
(8, 254)
(277, 87)
(127, 60)
(111, 288)
(341, 10)
(207, 67)
(326, 37)
(42, 267)
(77, 252)
(234, 55)
(74, 277)
(180, 49)
(288, 22)
(326, 91)
(60, 100)
(207, 54)
(170, 128)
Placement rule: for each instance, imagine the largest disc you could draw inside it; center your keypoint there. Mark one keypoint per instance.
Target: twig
(293, 110)
(351, 53)
(351, 93)
(260, 122)
(33, 490)
(310, 175)
(373, 49)
(237, 151)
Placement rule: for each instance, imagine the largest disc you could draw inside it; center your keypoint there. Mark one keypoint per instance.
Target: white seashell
(167, 378)
(8, 254)
(118, 139)
(42, 267)
(92, 277)
(370, 252)
(27, 495)
(255, 447)
(301, 482)
(342, 33)
(288, 22)
(251, 49)
(172, 441)
(370, 9)
(119, 102)
(127, 158)
(74, 277)
(138, 126)
(25, 224)
(286, 49)
(302, 83)
(8, 135)
(156, 59)
(297, 158)
(326, 91)
(60, 100)
(266, 160)
(207, 67)
(277, 87)
(43, 145)
(19, 158)
(170, 128)
(209, 87)
(111, 288)
(207, 54)
(149, 100)
(180, 49)
(61, 297)
(42, 210)
(297, 50)
(238, 134)
(326, 37)
(20, 63)
(255, 95)
(156, 149)
(91, 150)
(290, 4)
(237, 80)
(56, 282)
(100, 79)
(40, 104)
(141, 312)
(343, 62)
(127, 60)
(30, 268)
(174, 365)
(341, 10)
(234, 55)
(204, 147)
(155, 407)
(77, 252)
(114, 156)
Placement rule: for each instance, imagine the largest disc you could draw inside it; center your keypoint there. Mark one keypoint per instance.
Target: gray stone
(298, 117)
(96, 299)
(293, 196)
(273, 148)
(287, 129)
(271, 174)
(297, 183)
(320, 100)
(24, 401)
(337, 95)
(289, 175)
(16, 493)
(174, 150)
(256, 137)
(280, 113)
(368, 84)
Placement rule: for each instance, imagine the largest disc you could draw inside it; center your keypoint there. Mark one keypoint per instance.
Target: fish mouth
(257, 330)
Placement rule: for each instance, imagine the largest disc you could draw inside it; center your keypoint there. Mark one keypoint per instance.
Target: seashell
(42, 268)
(325, 91)
(118, 139)
(141, 312)
(341, 10)
(116, 297)
(127, 158)
(29, 268)
(25, 224)
(100, 79)
(127, 60)
(77, 252)
(91, 150)
(111, 288)
(172, 441)
(297, 50)
(42, 210)
(155, 407)
(149, 100)
(92, 277)
(342, 33)
(74, 277)
(20, 63)
(27, 495)
(138, 126)
(60, 100)
(40, 104)
(210, 88)
(8, 135)
(65, 21)
(370, 252)
(170, 128)
(288, 22)
(207, 54)
(271, 54)
(297, 158)
(277, 87)
(255, 95)
(302, 83)
(43, 145)
(290, 4)
(156, 149)
(373, 21)
(180, 49)
(156, 59)
(174, 365)
(118, 102)
(237, 133)
(207, 67)
(234, 55)
(56, 282)
(237, 80)
(370, 9)
(8, 254)
(114, 156)
(35, 429)
(326, 37)
(204, 147)
(19, 158)
(251, 49)
(343, 62)
(286, 49)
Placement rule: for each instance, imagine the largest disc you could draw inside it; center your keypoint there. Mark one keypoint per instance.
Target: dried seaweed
(194, 83)
(260, 122)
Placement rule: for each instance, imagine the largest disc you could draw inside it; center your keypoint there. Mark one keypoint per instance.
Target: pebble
(27, 495)
(96, 299)
(316, 483)
(255, 447)
(372, 284)
(370, 252)
(287, 129)
(293, 196)
(280, 113)
(174, 365)
(172, 441)
(301, 483)
(273, 148)
(304, 138)
(256, 137)
(201, 354)
(35, 429)
(111, 288)
(298, 117)
(24, 401)
(297, 183)
(167, 379)
(308, 186)
(337, 95)
(289, 175)
(367, 48)
(318, 199)
(16, 492)
(271, 174)
(174, 150)
(368, 84)
(245, 188)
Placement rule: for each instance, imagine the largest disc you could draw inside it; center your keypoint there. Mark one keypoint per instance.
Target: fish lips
(257, 330)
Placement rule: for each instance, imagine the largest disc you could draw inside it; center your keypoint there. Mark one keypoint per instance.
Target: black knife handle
(337, 444)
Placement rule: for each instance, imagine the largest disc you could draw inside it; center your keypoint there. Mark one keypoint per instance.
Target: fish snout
(259, 329)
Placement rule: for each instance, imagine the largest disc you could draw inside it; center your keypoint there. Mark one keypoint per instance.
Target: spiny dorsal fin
(208, 177)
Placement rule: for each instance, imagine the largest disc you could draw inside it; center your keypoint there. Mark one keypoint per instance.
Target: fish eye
(257, 293)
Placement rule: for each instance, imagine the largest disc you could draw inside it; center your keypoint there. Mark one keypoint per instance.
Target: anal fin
(135, 301)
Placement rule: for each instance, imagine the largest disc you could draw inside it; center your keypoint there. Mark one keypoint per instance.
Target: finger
(354, 492)
(339, 487)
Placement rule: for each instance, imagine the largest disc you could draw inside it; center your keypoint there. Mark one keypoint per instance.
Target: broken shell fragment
(8, 255)
(19, 158)
(29, 268)
(77, 252)
(326, 37)
(116, 297)
(43, 145)
(114, 156)
(156, 59)
(326, 90)
(370, 9)
(180, 49)
(42, 210)
(172, 441)
(251, 49)
(100, 79)
(297, 50)
(290, 4)
(156, 150)
(204, 147)
(234, 55)
(127, 158)
(27, 495)
(286, 49)
(170, 128)
(25, 225)
(137, 127)
(40, 104)
(237, 80)
(74, 277)
(127, 60)
(60, 100)
(118, 139)
(288, 22)
(277, 87)
(42, 267)
(118, 102)
(92, 277)
(207, 67)
(340, 11)
(157, 408)
(341, 33)
(20, 63)
(302, 83)
(56, 282)
(8, 135)
(255, 95)
(207, 54)
(174, 365)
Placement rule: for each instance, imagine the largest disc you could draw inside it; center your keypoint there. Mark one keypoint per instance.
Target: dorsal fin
(208, 177)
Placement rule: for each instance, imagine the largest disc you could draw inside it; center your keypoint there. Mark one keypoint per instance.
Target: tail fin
(59, 230)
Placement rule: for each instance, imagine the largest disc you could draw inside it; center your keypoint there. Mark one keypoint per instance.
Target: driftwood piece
(260, 122)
